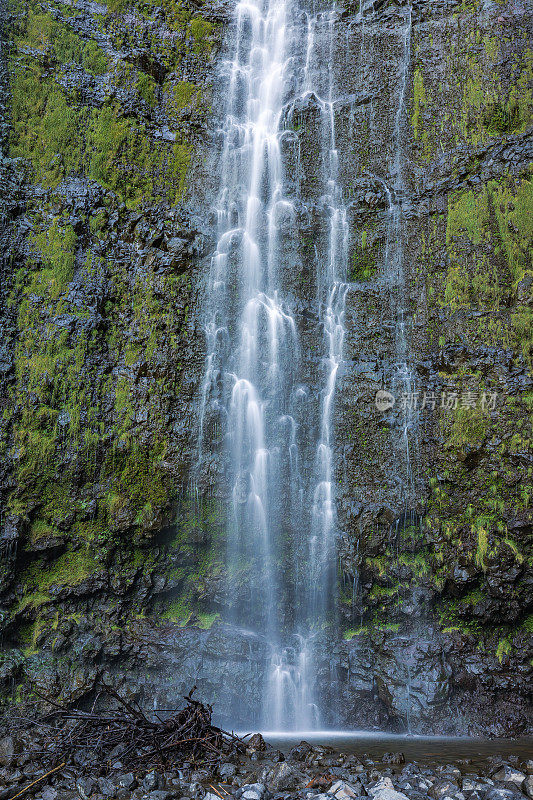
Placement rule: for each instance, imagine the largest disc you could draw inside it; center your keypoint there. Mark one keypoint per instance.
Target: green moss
(514, 549)
(94, 59)
(108, 133)
(31, 602)
(41, 529)
(513, 207)
(179, 611)
(49, 36)
(137, 479)
(199, 520)
(146, 87)
(57, 246)
(182, 94)
(178, 167)
(473, 598)
(46, 127)
(468, 428)
(116, 6)
(499, 118)
(468, 215)
(201, 31)
(419, 100)
(380, 626)
(49, 392)
(29, 637)
(70, 569)
(503, 649)
(381, 592)
(364, 260)
(125, 160)
(206, 621)
(522, 324)
(97, 223)
(482, 548)
(378, 564)
(417, 563)
(520, 102)
(353, 632)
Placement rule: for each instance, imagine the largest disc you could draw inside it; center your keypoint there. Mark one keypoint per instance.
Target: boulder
(497, 793)
(7, 751)
(342, 791)
(384, 790)
(393, 758)
(509, 774)
(85, 787)
(282, 776)
(227, 770)
(251, 791)
(106, 787)
(443, 788)
(256, 742)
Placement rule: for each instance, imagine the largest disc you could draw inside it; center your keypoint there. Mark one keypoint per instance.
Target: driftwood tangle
(140, 739)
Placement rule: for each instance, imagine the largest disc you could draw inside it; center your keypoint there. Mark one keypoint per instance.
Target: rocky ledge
(306, 772)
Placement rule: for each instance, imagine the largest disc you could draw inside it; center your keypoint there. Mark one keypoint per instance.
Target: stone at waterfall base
(343, 791)
(384, 790)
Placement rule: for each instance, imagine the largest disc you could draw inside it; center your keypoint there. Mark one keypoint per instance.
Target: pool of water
(431, 749)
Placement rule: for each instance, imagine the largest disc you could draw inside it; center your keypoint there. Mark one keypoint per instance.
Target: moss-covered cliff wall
(106, 233)
(441, 613)
(101, 351)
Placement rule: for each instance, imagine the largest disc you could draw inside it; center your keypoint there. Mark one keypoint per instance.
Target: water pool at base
(432, 749)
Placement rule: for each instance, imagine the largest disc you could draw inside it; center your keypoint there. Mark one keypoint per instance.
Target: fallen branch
(38, 780)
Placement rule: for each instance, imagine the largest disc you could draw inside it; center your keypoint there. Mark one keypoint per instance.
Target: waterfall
(278, 426)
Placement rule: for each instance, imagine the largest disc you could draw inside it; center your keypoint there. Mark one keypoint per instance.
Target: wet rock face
(106, 236)
(424, 583)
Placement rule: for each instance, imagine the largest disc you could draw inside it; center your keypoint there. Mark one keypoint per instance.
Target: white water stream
(282, 527)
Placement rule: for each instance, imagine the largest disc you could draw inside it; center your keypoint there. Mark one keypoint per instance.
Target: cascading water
(278, 429)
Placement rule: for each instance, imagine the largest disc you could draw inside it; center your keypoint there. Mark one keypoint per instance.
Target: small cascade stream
(403, 377)
(403, 383)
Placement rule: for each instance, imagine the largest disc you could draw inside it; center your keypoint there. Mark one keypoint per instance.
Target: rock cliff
(112, 559)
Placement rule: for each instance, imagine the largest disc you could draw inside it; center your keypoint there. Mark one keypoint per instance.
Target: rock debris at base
(304, 773)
